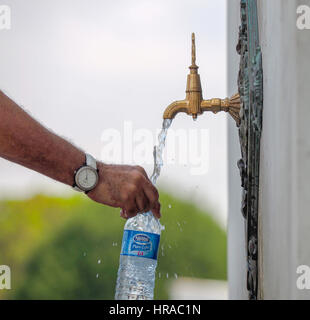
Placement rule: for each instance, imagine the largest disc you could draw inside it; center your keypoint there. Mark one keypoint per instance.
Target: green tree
(69, 248)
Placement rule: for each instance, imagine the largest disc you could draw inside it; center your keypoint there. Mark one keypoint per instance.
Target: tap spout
(176, 107)
(194, 105)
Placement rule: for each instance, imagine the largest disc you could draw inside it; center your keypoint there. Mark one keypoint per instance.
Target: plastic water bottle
(138, 259)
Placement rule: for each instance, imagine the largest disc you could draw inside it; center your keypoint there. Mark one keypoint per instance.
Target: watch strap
(76, 188)
(91, 161)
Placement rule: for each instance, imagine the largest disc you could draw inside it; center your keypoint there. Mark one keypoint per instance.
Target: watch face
(86, 178)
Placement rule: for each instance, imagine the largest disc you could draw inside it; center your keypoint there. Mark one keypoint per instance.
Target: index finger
(153, 196)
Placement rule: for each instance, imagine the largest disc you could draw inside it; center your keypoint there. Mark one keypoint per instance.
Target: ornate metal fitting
(250, 83)
(194, 104)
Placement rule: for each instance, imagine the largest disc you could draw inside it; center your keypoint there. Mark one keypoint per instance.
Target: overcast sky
(82, 67)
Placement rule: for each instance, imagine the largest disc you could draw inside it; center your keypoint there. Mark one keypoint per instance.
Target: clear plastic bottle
(138, 259)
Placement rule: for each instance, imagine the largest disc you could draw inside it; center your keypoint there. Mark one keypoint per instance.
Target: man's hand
(126, 187)
(25, 141)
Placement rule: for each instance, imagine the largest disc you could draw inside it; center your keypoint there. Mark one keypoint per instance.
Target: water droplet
(99, 261)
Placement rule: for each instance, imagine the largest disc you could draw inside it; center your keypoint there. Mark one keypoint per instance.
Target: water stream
(159, 150)
(146, 221)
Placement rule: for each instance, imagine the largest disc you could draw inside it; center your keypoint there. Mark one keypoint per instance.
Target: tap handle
(193, 50)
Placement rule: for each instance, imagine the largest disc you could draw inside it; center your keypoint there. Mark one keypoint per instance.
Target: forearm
(25, 141)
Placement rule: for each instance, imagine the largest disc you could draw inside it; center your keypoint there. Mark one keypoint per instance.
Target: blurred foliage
(69, 248)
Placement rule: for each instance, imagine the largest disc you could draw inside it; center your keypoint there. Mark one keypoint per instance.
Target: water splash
(162, 250)
(179, 224)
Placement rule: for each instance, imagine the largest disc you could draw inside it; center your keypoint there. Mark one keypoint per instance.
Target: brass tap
(194, 104)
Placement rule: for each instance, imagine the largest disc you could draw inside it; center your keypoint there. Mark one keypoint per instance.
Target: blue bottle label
(140, 244)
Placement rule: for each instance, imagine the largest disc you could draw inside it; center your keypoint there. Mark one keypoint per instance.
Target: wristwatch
(86, 177)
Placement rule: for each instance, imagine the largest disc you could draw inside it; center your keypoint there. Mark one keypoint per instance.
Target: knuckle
(137, 177)
(133, 190)
(125, 196)
(142, 170)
